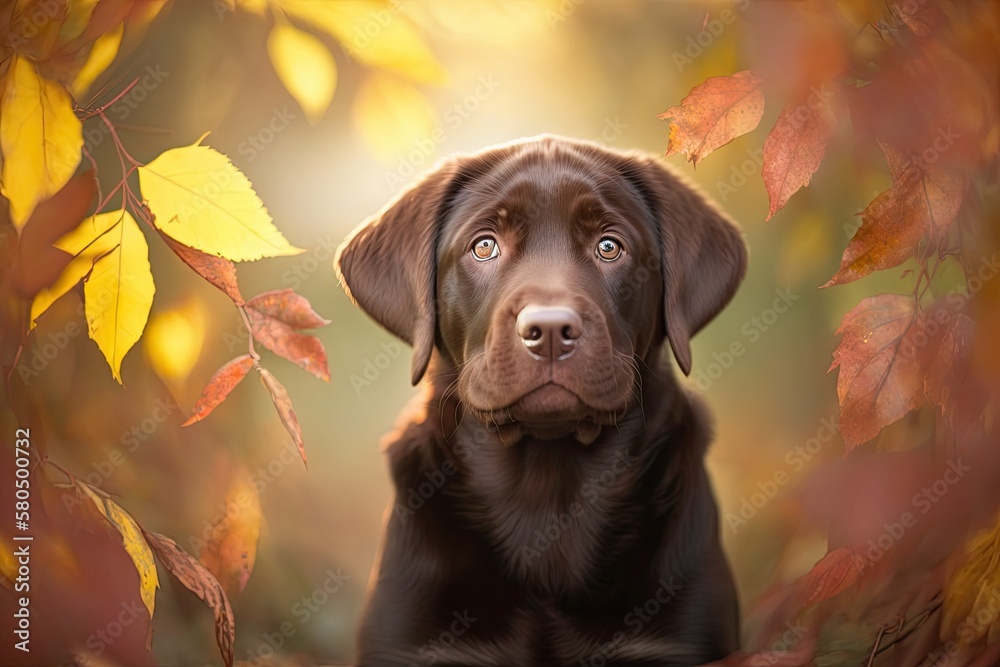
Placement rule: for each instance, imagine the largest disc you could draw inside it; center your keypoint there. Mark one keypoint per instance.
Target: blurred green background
(593, 69)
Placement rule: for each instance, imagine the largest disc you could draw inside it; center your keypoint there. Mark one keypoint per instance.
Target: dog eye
(485, 248)
(608, 249)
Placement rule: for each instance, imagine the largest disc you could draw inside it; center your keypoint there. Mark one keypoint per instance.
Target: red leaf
(197, 579)
(881, 378)
(952, 383)
(922, 200)
(223, 382)
(291, 308)
(794, 150)
(38, 262)
(231, 548)
(713, 114)
(284, 406)
(833, 574)
(304, 350)
(218, 271)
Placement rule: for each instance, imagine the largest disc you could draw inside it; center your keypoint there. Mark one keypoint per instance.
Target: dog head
(541, 271)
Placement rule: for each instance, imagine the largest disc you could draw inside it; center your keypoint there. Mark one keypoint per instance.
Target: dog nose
(549, 332)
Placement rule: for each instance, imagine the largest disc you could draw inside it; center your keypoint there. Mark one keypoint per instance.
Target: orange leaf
(794, 150)
(223, 382)
(833, 574)
(304, 350)
(199, 581)
(713, 114)
(881, 376)
(218, 271)
(922, 200)
(231, 548)
(38, 262)
(284, 406)
(291, 308)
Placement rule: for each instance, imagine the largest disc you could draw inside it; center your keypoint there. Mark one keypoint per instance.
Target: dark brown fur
(548, 512)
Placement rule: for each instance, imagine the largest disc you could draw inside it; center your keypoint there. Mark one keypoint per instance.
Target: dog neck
(572, 499)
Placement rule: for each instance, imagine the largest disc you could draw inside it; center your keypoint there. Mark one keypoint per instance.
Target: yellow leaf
(134, 543)
(970, 602)
(392, 114)
(231, 548)
(305, 67)
(91, 239)
(373, 33)
(40, 137)
(119, 291)
(200, 199)
(102, 54)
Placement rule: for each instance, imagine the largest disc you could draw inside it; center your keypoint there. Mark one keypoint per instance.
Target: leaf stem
(246, 323)
(99, 111)
(118, 142)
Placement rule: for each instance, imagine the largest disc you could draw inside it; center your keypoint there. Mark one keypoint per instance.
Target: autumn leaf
(199, 198)
(118, 292)
(223, 382)
(39, 262)
(92, 239)
(197, 579)
(832, 575)
(922, 200)
(102, 54)
(952, 383)
(218, 271)
(40, 136)
(969, 608)
(881, 376)
(794, 150)
(275, 316)
(231, 548)
(713, 114)
(396, 47)
(305, 67)
(133, 541)
(291, 308)
(301, 349)
(284, 406)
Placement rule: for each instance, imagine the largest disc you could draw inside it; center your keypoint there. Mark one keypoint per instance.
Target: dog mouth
(548, 412)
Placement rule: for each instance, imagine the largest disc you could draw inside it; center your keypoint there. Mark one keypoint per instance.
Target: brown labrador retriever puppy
(552, 506)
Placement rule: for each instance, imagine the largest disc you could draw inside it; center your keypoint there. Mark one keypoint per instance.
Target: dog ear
(703, 256)
(387, 265)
